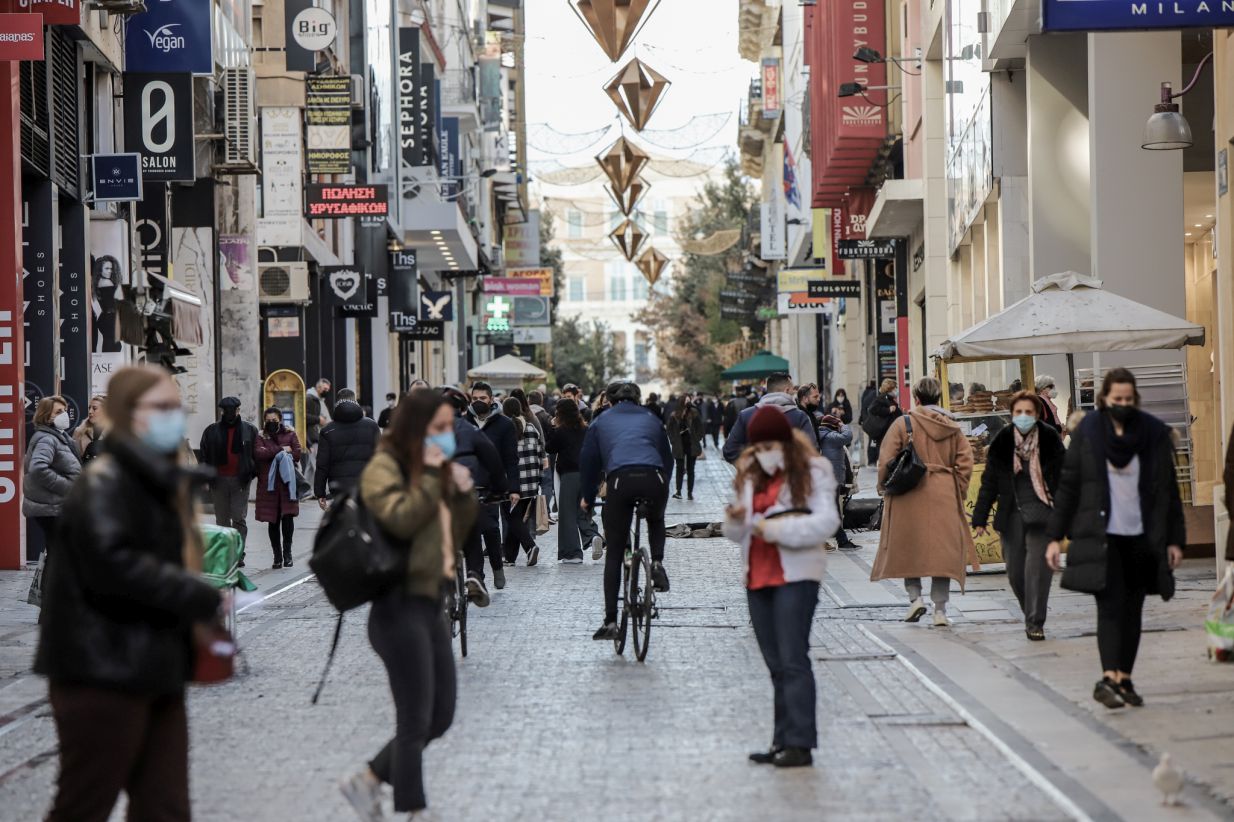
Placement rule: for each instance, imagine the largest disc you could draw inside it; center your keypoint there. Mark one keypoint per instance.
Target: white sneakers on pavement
(916, 610)
(362, 791)
(597, 547)
(940, 618)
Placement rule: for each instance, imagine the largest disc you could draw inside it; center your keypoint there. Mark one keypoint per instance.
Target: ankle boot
(278, 559)
(287, 557)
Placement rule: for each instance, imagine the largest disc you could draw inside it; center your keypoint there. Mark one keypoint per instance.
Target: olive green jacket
(410, 514)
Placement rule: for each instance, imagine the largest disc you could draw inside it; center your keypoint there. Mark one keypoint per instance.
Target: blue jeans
(782, 616)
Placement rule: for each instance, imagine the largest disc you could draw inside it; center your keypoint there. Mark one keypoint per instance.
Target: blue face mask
(1024, 422)
(165, 430)
(444, 441)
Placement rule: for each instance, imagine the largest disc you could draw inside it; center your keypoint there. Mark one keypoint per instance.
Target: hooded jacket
(834, 447)
(500, 432)
(345, 446)
(737, 438)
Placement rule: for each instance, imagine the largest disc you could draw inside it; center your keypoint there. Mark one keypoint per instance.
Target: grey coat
(834, 445)
(52, 464)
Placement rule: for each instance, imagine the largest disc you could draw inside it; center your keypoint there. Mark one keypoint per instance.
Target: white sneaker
(597, 547)
(363, 792)
(940, 619)
(916, 610)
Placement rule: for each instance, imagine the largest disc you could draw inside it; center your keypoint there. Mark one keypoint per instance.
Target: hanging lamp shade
(652, 264)
(622, 163)
(613, 22)
(628, 200)
(628, 238)
(636, 90)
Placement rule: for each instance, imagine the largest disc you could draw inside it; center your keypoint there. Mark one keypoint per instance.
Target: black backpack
(354, 560)
(906, 468)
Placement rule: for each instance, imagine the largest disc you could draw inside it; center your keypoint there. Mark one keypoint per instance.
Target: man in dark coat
(780, 393)
(485, 415)
(227, 446)
(346, 445)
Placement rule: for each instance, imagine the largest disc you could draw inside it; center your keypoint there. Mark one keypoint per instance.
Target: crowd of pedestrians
(475, 478)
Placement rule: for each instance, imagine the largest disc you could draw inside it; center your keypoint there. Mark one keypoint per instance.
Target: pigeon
(1168, 780)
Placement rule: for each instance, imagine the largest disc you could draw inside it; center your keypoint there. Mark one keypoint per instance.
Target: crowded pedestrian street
(964, 724)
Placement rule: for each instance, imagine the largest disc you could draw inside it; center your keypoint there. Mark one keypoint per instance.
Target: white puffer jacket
(799, 537)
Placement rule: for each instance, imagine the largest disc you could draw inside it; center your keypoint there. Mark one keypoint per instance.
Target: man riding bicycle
(628, 445)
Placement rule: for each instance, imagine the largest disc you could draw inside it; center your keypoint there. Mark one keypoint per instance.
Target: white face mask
(61, 421)
(772, 462)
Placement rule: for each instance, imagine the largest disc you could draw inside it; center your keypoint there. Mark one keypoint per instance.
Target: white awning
(508, 367)
(1070, 313)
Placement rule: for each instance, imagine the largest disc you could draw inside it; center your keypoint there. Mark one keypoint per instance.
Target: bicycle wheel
(646, 602)
(461, 611)
(619, 644)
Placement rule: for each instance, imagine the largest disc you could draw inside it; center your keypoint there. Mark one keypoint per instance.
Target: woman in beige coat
(925, 532)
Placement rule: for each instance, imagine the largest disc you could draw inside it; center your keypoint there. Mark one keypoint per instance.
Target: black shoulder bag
(906, 469)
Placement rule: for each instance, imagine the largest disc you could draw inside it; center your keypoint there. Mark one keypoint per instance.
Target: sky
(691, 42)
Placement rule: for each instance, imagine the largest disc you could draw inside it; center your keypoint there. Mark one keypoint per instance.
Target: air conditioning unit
(282, 283)
(358, 96)
(239, 122)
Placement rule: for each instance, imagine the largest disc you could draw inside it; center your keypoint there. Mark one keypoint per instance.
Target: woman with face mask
(121, 602)
(1118, 501)
(1049, 411)
(277, 451)
(1023, 464)
(783, 513)
(423, 501)
(52, 464)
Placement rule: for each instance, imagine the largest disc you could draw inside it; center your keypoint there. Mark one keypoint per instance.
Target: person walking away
(51, 467)
(780, 394)
(531, 463)
(1023, 465)
(423, 501)
(277, 503)
(834, 438)
(122, 599)
(538, 409)
(486, 415)
(317, 416)
(383, 419)
(1049, 412)
(685, 437)
(89, 434)
(783, 510)
(925, 532)
(1118, 501)
(714, 420)
(228, 447)
(868, 395)
(576, 528)
(344, 447)
(883, 411)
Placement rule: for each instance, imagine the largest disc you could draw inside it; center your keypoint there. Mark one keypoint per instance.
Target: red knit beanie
(769, 424)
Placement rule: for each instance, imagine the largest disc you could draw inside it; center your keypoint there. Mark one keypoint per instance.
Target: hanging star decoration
(629, 238)
(622, 163)
(626, 201)
(613, 22)
(652, 264)
(636, 90)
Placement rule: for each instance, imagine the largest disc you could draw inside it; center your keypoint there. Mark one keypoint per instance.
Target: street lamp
(1167, 129)
(855, 89)
(865, 54)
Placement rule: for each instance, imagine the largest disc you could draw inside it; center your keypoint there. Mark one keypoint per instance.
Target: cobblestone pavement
(552, 726)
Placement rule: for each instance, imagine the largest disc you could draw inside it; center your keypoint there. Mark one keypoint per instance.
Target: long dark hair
(1114, 377)
(404, 439)
(524, 406)
(513, 409)
(567, 415)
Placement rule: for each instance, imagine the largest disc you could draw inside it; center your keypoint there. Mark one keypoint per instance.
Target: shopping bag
(35, 597)
(1219, 624)
(542, 523)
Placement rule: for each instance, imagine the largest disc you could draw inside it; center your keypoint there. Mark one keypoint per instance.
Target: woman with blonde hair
(121, 602)
(783, 513)
(89, 435)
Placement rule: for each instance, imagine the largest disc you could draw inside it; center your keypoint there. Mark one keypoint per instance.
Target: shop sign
(327, 111)
(499, 338)
(153, 243)
(774, 244)
(330, 201)
(497, 313)
(531, 311)
(158, 122)
(73, 284)
(544, 276)
(532, 336)
(298, 57)
(424, 330)
(170, 36)
(55, 12)
(734, 312)
(849, 289)
(38, 291)
(282, 177)
(1114, 15)
(352, 291)
(314, 29)
(21, 36)
(521, 244)
(437, 305)
(857, 205)
(883, 249)
(511, 285)
(413, 121)
(771, 88)
(116, 178)
(402, 290)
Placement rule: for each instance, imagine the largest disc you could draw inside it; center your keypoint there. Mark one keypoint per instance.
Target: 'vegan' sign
(324, 201)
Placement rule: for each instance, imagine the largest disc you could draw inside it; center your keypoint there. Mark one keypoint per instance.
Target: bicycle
(638, 598)
(456, 605)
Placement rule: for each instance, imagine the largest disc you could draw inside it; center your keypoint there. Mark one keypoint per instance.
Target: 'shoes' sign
(170, 36)
(324, 201)
(158, 122)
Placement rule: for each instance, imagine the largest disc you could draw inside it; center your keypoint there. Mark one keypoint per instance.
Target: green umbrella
(756, 367)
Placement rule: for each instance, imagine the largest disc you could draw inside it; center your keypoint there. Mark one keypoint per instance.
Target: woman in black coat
(842, 402)
(1118, 501)
(1023, 465)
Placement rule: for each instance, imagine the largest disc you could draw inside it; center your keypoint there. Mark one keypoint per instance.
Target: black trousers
(685, 471)
(485, 537)
(519, 533)
(410, 635)
(1130, 565)
(714, 431)
(625, 486)
(286, 524)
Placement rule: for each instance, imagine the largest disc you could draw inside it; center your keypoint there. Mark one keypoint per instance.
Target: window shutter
(35, 128)
(66, 119)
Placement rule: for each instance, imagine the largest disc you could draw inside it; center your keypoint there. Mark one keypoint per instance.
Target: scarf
(237, 441)
(1133, 442)
(1028, 453)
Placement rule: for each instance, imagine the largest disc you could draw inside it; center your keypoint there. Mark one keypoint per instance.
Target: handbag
(542, 523)
(35, 596)
(214, 654)
(906, 469)
(355, 562)
(304, 489)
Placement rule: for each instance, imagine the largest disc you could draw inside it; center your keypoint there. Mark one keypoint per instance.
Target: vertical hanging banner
(282, 195)
(327, 111)
(404, 308)
(153, 242)
(449, 164)
(521, 242)
(411, 123)
(170, 36)
(74, 309)
(194, 271)
(308, 30)
(38, 291)
(771, 88)
(772, 223)
(158, 124)
(429, 115)
(109, 247)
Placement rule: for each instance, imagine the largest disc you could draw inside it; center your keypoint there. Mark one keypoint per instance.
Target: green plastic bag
(220, 564)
